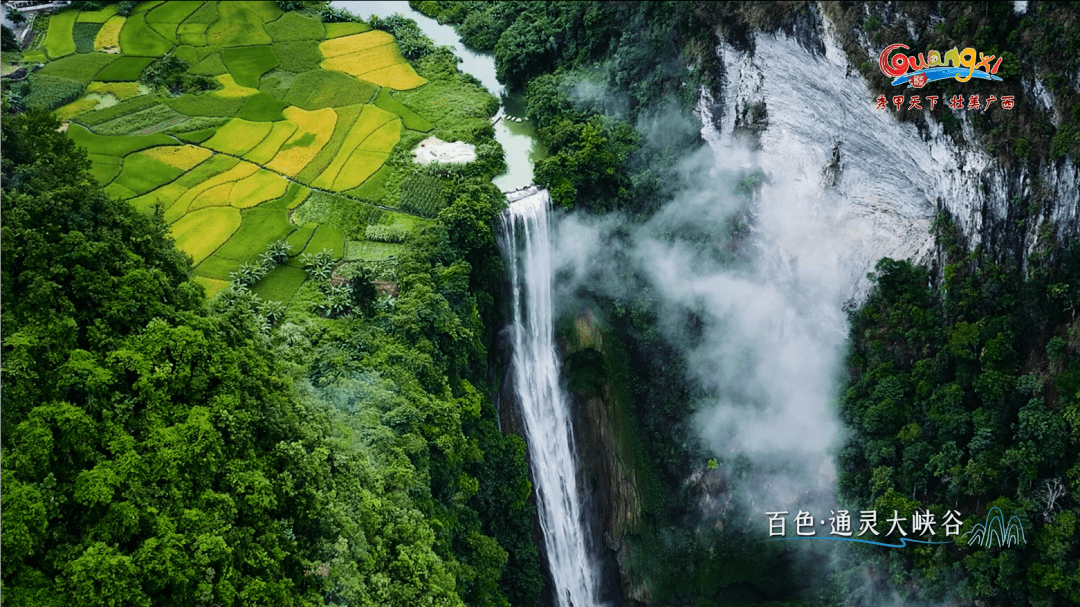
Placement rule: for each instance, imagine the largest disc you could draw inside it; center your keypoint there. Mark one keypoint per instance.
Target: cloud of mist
(769, 343)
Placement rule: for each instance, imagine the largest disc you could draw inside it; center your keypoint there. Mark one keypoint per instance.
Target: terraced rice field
(372, 56)
(298, 106)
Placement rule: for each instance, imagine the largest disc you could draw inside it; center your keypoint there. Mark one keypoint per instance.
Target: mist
(769, 343)
(771, 229)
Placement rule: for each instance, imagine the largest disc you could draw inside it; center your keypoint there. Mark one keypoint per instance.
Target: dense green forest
(965, 396)
(161, 449)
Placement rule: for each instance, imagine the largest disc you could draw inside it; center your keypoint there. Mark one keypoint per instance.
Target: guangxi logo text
(934, 66)
(916, 71)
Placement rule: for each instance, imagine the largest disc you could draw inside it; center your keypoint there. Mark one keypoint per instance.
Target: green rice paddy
(339, 30)
(139, 39)
(81, 68)
(124, 69)
(172, 12)
(319, 88)
(280, 284)
(327, 238)
(248, 63)
(236, 26)
(142, 174)
(58, 40)
(293, 26)
(262, 107)
(276, 126)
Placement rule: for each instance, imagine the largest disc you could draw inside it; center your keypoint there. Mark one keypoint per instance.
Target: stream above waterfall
(518, 139)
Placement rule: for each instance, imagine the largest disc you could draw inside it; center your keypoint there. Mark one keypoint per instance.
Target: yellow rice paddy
(360, 165)
(400, 77)
(268, 147)
(217, 196)
(183, 157)
(313, 131)
(354, 43)
(370, 120)
(257, 189)
(240, 171)
(109, 34)
(121, 90)
(238, 136)
(200, 233)
(232, 89)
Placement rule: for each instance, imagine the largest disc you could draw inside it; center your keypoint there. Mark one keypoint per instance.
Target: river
(517, 138)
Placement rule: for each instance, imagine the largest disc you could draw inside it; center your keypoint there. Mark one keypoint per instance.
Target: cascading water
(525, 242)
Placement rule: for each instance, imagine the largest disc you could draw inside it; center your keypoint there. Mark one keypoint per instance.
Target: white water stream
(526, 243)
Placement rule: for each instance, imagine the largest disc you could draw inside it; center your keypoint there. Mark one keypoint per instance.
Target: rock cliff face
(607, 472)
(809, 116)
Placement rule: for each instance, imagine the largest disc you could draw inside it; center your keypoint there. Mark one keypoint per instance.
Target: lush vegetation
(966, 397)
(316, 433)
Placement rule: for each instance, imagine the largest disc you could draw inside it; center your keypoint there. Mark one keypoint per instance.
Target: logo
(933, 66)
(994, 530)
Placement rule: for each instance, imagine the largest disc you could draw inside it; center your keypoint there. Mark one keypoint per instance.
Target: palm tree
(273, 311)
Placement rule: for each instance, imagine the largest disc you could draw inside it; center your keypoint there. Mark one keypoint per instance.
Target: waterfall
(545, 411)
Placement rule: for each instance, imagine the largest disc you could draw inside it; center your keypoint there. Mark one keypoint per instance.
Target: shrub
(125, 8)
(248, 274)
(320, 265)
(1065, 141)
(480, 31)
(411, 40)
(51, 92)
(277, 252)
(337, 303)
(1022, 148)
(329, 14)
(290, 5)
(8, 41)
(16, 16)
(386, 233)
(168, 72)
